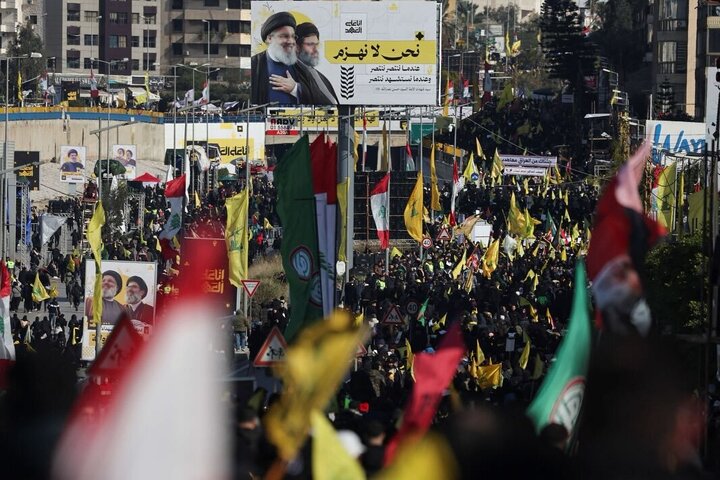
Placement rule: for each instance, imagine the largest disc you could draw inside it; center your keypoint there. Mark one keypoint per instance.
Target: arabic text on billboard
(350, 53)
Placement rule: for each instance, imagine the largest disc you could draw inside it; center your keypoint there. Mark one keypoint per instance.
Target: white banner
(527, 161)
(229, 138)
(49, 224)
(127, 155)
(525, 171)
(351, 53)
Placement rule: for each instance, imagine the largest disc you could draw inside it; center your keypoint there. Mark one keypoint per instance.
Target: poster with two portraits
(73, 162)
(347, 53)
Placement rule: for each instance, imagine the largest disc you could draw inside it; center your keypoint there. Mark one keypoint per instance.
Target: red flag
(7, 347)
(324, 167)
(433, 374)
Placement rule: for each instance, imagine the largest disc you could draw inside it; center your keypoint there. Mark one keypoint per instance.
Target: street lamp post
(107, 137)
(207, 83)
(5, 165)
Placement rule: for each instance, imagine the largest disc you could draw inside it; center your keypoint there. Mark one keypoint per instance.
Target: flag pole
(386, 147)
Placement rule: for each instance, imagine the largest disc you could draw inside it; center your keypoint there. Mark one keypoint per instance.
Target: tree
(26, 42)
(569, 55)
(618, 39)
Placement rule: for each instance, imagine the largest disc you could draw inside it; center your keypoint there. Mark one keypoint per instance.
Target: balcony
(672, 25)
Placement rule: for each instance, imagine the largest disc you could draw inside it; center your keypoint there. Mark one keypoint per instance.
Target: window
(244, 50)
(149, 19)
(118, 66)
(117, 41)
(73, 14)
(149, 62)
(135, 18)
(234, 4)
(233, 50)
(91, 16)
(177, 49)
(177, 25)
(120, 18)
(136, 64)
(245, 27)
(212, 3)
(214, 25)
(91, 40)
(135, 41)
(214, 49)
(177, 4)
(667, 52)
(673, 9)
(73, 62)
(33, 19)
(148, 41)
(87, 63)
(713, 40)
(73, 39)
(233, 26)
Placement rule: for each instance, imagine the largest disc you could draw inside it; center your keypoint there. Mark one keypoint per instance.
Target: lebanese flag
(93, 85)
(7, 349)
(466, 88)
(458, 184)
(379, 203)
(450, 91)
(174, 193)
(409, 160)
(323, 157)
(160, 414)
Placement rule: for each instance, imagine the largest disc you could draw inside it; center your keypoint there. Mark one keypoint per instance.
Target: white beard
(278, 53)
(109, 293)
(308, 59)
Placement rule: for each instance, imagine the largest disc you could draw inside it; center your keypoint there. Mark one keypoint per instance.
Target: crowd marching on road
(512, 301)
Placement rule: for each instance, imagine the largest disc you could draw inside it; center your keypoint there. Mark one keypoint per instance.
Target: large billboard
(348, 53)
(128, 287)
(72, 164)
(675, 137)
(127, 155)
(229, 137)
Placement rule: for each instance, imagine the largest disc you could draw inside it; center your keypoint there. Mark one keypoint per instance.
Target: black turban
(115, 276)
(306, 29)
(275, 21)
(141, 283)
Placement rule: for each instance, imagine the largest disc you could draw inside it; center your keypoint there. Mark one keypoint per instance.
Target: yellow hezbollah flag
(490, 259)
(458, 268)
(666, 196)
(525, 355)
(268, 226)
(434, 191)
(431, 455)
(342, 194)
(516, 219)
(330, 460)
(394, 252)
(384, 164)
(479, 150)
(497, 166)
(94, 238)
(313, 369)
(470, 170)
(490, 375)
(413, 211)
(479, 354)
(38, 291)
(236, 237)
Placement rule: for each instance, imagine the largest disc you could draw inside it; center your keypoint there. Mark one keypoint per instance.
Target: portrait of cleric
(285, 72)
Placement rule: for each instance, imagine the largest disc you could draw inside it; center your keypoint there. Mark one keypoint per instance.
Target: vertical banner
(349, 53)
(72, 164)
(30, 173)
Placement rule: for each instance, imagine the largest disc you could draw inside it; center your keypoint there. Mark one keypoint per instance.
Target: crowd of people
(524, 299)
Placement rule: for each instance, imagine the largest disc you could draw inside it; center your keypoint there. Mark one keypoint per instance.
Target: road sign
(393, 317)
(444, 234)
(273, 350)
(361, 351)
(118, 350)
(426, 243)
(412, 307)
(250, 286)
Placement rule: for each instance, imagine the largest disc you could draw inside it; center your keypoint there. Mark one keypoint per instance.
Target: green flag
(421, 313)
(561, 394)
(299, 247)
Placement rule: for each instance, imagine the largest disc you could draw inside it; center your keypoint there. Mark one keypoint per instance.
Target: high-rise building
(206, 31)
(14, 13)
(123, 33)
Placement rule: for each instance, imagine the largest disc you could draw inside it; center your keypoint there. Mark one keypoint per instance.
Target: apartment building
(14, 13)
(206, 31)
(122, 34)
